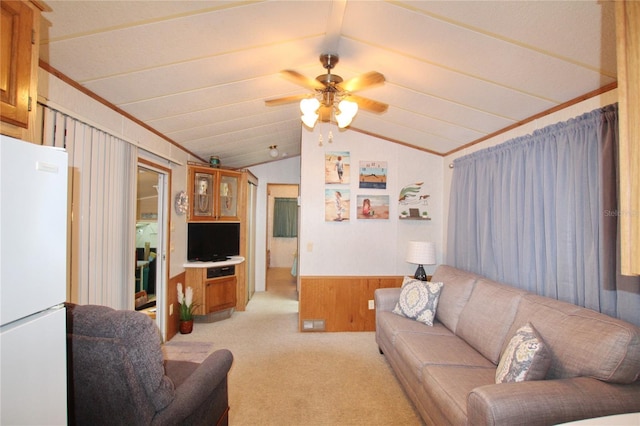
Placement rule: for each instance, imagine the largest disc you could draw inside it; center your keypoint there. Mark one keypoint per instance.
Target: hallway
(280, 282)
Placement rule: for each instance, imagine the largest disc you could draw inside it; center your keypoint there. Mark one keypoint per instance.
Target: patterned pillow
(418, 300)
(526, 357)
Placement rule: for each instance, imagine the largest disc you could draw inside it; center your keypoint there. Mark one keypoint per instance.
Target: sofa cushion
(525, 358)
(420, 350)
(449, 386)
(455, 293)
(390, 325)
(487, 317)
(583, 342)
(418, 300)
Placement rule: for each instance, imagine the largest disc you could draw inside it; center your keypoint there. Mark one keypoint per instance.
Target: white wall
(575, 110)
(364, 246)
(283, 171)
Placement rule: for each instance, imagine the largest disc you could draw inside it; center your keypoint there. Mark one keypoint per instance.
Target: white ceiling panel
(540, 25)
(199, 71)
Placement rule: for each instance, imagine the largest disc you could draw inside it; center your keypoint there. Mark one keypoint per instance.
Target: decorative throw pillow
(418, 300)
(526, 357)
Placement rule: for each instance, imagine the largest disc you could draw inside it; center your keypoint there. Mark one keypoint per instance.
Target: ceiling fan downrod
(329, 61)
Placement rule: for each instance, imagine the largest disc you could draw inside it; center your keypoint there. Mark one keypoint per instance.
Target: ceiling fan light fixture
(348, 110)
(348, 107)
(343, 120)
(309, 106)
(309, 120)
(273, 151)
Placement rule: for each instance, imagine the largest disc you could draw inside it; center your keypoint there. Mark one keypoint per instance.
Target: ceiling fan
(330, 90)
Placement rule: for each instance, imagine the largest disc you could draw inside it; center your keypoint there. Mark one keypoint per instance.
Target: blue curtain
(539, 212)
(285, 218)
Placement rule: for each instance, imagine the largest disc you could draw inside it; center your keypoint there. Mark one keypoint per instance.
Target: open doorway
(151, 225)
(282, 249)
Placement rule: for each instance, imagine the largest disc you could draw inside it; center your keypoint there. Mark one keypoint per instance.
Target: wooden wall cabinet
(226, 196)
(628, 54)
(20, 30)
(214, 194)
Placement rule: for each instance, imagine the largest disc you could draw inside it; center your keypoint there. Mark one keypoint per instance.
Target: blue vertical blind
(285, 218)
(539, 212)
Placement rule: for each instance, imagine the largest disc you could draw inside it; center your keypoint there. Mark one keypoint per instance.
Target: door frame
(162, 252)
(269, 228)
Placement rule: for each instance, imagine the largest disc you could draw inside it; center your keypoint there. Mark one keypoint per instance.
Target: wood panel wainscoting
(173, 320)
(341, 302)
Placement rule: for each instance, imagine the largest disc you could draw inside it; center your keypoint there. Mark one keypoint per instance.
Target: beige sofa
(448, 369)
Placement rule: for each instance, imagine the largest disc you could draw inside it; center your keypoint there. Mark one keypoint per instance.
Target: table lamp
(421, 253)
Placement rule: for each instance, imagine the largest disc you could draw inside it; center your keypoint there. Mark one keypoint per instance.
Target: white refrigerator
(33, 249)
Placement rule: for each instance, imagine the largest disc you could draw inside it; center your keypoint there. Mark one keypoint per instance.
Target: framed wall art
(337, 205)
(337, 167)
(373, 206)
(373, 174)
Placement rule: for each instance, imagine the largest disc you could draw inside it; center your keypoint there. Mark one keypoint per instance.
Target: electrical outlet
(371, 304)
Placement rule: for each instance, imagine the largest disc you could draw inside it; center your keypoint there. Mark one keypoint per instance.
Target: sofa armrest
(544, 402)
(386, 298)
(196, 392)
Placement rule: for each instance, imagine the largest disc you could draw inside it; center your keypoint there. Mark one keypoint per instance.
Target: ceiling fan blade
(368, 104)
(296, 77)
(285, 100)
(372, 78)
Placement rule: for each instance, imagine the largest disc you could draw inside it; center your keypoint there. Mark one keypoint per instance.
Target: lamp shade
(421, 253)
(309, 106)
(273, 151)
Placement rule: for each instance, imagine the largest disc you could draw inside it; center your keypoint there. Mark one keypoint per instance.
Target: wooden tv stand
(214, 288)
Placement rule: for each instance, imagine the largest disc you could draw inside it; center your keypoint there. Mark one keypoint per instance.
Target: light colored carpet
(281, 376)
(187, 351)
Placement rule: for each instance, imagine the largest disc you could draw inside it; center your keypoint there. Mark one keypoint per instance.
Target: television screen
(211, 242)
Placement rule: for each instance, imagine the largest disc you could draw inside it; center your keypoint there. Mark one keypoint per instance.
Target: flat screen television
(212, 242)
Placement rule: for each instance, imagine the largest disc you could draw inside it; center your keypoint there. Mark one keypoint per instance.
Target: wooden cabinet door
(202, 183)
(228, 196)
(15, 62)
(221, 294)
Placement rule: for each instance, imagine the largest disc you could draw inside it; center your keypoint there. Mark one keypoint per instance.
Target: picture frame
(337, 204)
(372, 206)
(337, 167)
(373, 175)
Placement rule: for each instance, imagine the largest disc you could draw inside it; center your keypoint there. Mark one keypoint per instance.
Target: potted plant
(185, 300)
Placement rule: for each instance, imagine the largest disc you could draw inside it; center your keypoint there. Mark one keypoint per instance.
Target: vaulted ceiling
(199, 72)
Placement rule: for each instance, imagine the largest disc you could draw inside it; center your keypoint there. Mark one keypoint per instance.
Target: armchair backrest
(116, 368)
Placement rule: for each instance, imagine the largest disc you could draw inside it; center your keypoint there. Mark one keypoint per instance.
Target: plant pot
(186, 327)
